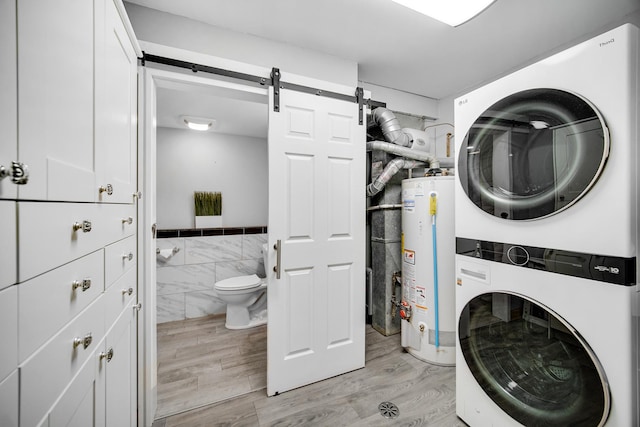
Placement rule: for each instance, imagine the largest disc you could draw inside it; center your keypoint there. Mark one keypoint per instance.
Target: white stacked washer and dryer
(546, 225)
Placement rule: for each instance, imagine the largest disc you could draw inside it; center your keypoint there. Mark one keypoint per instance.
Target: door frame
(150, 79)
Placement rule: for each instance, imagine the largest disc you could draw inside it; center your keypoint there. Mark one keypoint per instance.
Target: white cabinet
(58, 296)
(8, 331)
(77, 117)
(120, 371)
(81, 404)
(52, 234)
(8, 100)
(8, 248)
(55, 105)
(9, 401)
(116, 80)
(67, 282)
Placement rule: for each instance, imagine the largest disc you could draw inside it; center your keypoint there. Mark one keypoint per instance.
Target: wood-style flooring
(200, 362)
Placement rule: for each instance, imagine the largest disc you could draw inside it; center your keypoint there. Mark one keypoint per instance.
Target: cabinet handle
(127, 220)
(127, 291)
(106, 189)
(128, 256)
(84, 341)
(108, 355)
(19, 173)
(138, 306)
(85, 226)
(84, 284)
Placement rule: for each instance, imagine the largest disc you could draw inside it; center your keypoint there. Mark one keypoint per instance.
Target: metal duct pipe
(389, 171)
(422, 156)
(390, 126)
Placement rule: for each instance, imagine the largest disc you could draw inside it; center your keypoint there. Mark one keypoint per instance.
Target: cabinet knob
(128, 256)
(84, 284)
(83, 341)
(19, 173)
(128, 220)
(108, 355)
(138, 195)
(106, 189)
(127, 291)
(85, 226)
(138, 306)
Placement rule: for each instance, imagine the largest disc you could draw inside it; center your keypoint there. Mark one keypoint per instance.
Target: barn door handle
(278, 248)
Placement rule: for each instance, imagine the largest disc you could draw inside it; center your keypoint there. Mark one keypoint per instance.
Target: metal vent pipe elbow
(390, 126)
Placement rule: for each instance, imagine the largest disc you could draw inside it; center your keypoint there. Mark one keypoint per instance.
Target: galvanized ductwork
(398, 144)
(391, 127)
(389, 171)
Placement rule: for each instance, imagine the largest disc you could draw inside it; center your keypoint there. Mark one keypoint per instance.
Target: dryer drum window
(532, 363)
(533, 154)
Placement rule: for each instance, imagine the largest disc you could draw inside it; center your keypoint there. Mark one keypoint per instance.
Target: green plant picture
(207, 203)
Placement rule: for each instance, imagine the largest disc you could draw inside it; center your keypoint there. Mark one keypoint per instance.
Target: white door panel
(55, 120)
(317, 211)
(8, 100)
(116, 90)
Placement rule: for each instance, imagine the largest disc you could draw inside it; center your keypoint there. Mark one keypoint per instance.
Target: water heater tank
(429, 333)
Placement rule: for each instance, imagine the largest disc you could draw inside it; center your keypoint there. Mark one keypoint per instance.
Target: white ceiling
(398, 48)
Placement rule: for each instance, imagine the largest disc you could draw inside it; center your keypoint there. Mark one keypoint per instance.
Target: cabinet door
(8, 100)
(9, 400)
(55, 105)
(121, 373)
(116, 104)
(8, 331)
(80, 403)
(9, 246)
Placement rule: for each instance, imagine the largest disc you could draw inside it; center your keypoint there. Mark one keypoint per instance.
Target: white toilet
(246, 298)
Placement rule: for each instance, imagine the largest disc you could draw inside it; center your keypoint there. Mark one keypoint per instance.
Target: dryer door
(533, 154)
(532, 363)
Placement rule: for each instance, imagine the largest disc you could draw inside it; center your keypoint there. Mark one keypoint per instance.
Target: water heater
(428, 327)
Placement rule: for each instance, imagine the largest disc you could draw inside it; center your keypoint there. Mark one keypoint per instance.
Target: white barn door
(317, 209)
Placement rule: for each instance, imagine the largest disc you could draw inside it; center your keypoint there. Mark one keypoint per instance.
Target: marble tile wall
(185, 280)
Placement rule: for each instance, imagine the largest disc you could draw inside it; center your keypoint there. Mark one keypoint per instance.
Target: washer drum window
(532, 363)
(533, 154)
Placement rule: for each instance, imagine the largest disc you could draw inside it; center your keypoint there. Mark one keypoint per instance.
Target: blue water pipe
(432, 211)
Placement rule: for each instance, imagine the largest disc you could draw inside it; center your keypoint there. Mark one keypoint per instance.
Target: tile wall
(185, 280)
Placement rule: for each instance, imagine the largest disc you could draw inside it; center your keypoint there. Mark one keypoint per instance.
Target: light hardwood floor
(201, 362)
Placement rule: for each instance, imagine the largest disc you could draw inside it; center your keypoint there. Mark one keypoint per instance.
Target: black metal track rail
(272, 80)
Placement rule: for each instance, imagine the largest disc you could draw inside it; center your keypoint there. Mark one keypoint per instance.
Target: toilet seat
(239, 283)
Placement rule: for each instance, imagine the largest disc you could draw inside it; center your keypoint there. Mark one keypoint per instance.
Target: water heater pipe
(388, 147)
(389, 171)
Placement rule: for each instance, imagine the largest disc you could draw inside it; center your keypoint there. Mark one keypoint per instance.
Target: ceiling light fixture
(451, 12)
(198, 123)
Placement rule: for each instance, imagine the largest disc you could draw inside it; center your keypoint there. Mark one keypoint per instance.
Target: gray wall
(189, 161)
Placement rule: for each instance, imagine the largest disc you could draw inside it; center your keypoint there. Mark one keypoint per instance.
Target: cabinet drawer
(119, 257)
(118, 297)
(8, 331)
(52, 234)
(8, 248)
(9, 400)
(45, 374)
(47, 302)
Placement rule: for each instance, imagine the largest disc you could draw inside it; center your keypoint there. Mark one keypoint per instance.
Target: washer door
(532, 363)
(533, 154)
